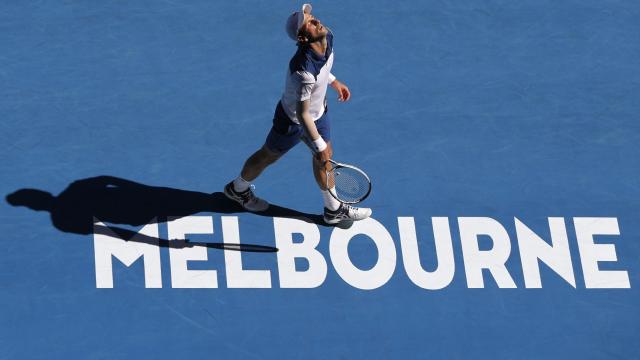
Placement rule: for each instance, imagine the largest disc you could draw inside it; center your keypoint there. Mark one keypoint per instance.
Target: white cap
(294, 22)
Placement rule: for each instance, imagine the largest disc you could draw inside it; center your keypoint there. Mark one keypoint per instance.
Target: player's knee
(270, 160)
(267, 157)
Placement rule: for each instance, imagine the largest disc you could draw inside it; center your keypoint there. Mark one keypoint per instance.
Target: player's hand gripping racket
(352, 185)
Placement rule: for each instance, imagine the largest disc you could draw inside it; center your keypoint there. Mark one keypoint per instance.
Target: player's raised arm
(344, 94)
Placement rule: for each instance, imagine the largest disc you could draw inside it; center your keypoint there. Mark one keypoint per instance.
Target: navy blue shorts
(285, 134)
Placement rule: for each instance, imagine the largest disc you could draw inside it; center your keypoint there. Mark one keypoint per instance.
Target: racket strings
(350, 184)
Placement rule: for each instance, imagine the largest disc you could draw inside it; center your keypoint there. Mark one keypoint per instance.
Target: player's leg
(256, 163)
(320, 168)
(283, 136)
(240, 188)
(334, 211)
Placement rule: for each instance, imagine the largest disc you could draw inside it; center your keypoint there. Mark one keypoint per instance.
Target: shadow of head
(34, 199)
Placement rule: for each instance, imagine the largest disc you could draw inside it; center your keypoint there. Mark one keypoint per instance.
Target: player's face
(313, 28)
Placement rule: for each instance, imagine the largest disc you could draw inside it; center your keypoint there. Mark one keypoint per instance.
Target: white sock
(329, 201)
(240, 184)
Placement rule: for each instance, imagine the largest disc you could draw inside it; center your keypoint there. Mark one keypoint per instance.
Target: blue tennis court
(501, 139)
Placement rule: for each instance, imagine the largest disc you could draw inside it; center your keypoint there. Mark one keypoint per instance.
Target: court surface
(494, 109)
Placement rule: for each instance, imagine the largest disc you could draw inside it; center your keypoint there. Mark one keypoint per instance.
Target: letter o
(384, 267)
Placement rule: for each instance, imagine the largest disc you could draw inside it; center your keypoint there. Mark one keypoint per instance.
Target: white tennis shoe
(346, 212)
(246, 198)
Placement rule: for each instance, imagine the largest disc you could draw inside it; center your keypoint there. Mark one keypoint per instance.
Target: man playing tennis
(301, 114)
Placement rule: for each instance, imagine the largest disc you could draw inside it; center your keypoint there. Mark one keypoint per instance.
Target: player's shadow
(119, 201)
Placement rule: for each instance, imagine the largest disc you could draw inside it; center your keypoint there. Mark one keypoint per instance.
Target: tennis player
(301, 114)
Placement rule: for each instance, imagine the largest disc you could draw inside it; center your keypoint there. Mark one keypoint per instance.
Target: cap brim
(306, 9)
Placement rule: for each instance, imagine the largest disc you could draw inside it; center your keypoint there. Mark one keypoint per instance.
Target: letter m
(108, 245)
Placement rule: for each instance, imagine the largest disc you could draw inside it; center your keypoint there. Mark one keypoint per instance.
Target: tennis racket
(351, 184)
